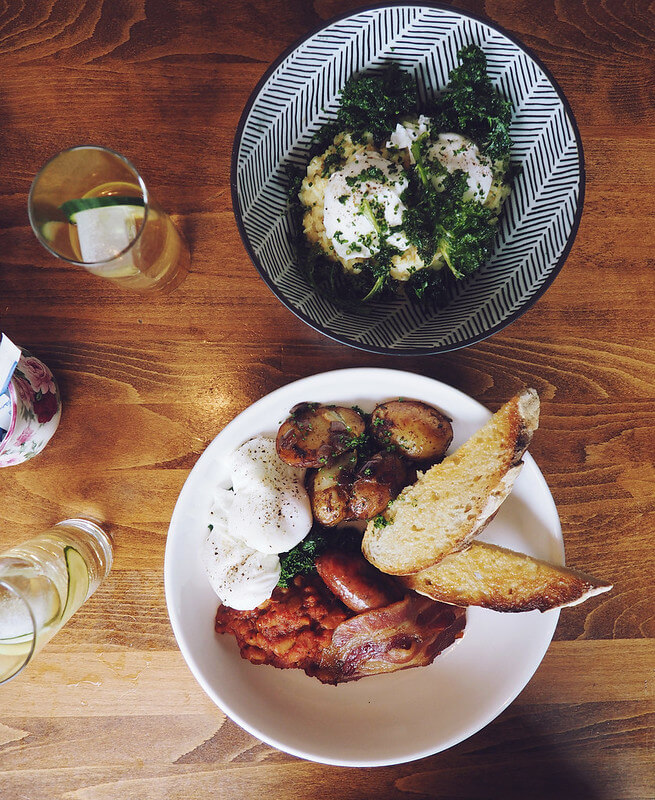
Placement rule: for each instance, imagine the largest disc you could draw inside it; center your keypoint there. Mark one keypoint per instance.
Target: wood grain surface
(109, 710)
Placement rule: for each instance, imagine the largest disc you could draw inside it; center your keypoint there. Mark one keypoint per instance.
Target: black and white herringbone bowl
(300, 92)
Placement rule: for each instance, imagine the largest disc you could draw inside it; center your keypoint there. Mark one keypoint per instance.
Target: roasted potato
(315, 436)
(379, 480)
(416, 430)
(329, 490)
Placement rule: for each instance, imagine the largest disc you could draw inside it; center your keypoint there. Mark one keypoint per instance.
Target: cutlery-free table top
(109, 709)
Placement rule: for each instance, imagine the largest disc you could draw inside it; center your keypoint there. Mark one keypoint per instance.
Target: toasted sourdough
(493, 577)
(451, 502)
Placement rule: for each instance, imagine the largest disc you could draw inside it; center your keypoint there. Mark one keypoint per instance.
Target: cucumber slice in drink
(78, 582)
(72, 207)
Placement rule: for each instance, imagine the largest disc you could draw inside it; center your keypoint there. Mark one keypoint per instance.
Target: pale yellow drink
(88, 205)
(157, 257)
(43, 582)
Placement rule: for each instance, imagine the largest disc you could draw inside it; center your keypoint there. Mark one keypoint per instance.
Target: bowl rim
(343, 339)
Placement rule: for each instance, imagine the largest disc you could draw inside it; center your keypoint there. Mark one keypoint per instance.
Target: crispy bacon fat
(409, 633)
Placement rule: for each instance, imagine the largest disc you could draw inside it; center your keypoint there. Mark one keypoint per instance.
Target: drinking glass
(42, 584)
(89, 206)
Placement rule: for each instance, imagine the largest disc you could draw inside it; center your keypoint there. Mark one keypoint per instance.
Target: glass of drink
(42, 584)
(89, 206)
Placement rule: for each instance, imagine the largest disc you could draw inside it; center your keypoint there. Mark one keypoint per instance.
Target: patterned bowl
(300, 92)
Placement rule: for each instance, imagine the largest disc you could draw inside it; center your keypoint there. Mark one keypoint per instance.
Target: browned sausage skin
(355, 582)
(314, 435)
(418, 431)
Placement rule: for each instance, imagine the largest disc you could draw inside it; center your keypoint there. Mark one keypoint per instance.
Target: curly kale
(466, 234)
(301, 559)
(443, 222)
(472, 106)
(372, 104)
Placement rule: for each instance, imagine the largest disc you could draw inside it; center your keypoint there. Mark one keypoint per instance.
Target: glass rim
(7, 586)
(103, 539)
(142, 186)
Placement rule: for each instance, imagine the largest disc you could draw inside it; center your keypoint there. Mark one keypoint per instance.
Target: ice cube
(105, 232)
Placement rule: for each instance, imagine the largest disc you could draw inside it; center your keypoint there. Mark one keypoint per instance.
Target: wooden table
(109, 710)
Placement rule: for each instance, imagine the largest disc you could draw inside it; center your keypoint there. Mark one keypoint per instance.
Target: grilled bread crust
(451, 502)
(493, 577)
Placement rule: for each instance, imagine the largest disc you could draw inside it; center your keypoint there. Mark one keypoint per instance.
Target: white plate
(385, 719)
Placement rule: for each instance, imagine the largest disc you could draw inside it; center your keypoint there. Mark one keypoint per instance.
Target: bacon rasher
(409, 633)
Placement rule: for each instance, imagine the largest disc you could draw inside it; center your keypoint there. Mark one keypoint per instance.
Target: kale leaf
(372, 103)
(466, 234)
(443, 222)
(472, 106)
(301, 559)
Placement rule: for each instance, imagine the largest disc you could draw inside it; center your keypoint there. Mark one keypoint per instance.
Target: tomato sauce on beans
(291, 630)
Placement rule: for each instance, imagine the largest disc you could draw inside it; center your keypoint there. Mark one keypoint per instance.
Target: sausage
(355, 582)
(418, 431)
(315, 436)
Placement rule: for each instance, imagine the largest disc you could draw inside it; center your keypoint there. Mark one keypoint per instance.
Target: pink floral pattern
(23, 388)
(25, 436)
(36, 410)
(38, 375)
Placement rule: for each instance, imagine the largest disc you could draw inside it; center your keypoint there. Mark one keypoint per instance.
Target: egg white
(242, 577)
(267, 512)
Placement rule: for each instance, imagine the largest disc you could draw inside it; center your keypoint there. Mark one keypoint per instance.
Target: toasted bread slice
(493, 577)
(451, 502)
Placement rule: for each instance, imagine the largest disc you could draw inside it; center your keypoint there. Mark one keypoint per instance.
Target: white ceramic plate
(385, 719)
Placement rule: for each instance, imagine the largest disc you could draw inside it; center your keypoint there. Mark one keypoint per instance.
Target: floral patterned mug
(35, 411)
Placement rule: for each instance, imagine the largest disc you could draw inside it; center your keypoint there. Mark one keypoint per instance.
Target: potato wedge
(415, 429)
(329, 490)
(379, 480)
(315, 435)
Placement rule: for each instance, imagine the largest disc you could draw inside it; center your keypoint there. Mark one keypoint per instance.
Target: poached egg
(456, 152)
(451, 151)
(366, 178)
(242, 577)
(267, 512)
